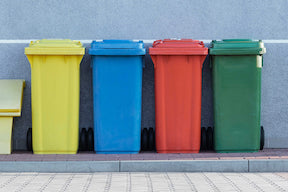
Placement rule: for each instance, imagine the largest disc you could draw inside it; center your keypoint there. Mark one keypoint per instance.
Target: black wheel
(29, 139)
(203, 139)
(151, 139)
(90, 139)
(262, 138)
(209, 140)
(83, 140)
(144, 139)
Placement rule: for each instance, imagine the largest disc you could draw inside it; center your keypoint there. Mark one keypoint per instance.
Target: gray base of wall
(244, 165)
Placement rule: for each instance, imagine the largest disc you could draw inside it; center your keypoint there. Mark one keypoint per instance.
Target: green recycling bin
(236, 70)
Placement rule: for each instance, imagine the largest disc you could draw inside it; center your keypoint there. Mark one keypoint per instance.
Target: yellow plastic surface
(55, 47)
(11, 93)
(55, 103)
(6, 124)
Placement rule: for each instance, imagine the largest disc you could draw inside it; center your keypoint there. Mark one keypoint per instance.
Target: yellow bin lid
(55, 47)
(11, 93)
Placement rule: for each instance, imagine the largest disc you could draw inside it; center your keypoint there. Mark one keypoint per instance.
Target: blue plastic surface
(117, 47)
(117, 93)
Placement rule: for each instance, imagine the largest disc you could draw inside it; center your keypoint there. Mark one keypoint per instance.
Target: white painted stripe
(276, 41)
(16, 41)
(149, 41)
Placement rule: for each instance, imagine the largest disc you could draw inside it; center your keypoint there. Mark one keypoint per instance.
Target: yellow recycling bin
(55, 81)
(11, 94)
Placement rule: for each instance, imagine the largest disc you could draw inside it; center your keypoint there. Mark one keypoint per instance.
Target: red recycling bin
(178, 80)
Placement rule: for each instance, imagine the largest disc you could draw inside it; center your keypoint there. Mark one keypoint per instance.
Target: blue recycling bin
(117, 93)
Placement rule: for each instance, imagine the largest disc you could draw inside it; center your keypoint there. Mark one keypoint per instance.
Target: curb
(185, 166)
(243, 165)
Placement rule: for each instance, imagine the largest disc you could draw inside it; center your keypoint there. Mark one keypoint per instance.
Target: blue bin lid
(117, 47)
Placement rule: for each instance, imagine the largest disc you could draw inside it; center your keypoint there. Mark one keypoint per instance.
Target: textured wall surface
(150, 19)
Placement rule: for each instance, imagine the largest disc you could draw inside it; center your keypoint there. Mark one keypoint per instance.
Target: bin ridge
(55, 80)
(117, 47)
(117, 94)
(55, 47)
(236, 73)
(237, 47)
(178, 84)
(178, 47)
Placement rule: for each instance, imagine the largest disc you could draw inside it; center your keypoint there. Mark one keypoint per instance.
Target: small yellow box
(11, 94)
(55, 82)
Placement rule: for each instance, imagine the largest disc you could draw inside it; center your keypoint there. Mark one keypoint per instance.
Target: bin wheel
(90, 139)
(144, 139)
(209, 138)
(29, 139)
(203, 139)
(262, 138)
(83, 140)
(151, 139)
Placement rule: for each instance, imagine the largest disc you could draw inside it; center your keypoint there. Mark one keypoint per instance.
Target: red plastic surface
(178, 47)
(178, 82)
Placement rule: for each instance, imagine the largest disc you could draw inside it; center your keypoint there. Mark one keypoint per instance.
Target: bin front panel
(55, 103)
(237, 102)
(117, 92)
(178, 81)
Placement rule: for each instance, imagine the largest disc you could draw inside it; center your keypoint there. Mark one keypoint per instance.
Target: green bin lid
(237, 47)
(55, 47)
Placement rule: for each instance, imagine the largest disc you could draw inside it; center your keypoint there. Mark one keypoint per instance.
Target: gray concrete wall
(150, 19)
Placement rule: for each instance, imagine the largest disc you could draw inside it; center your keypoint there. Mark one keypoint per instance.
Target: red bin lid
(178, 47)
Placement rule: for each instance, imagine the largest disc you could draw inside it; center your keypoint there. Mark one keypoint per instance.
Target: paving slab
(148, 181)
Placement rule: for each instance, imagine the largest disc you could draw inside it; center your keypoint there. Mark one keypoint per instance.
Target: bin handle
(143, 61)
(210, 62)
(91, 63)
(157, 42)
(208, 59)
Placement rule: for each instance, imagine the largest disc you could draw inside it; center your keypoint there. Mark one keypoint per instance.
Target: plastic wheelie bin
(236, 69)
(117, 92)
(178, 80)
(55, 72)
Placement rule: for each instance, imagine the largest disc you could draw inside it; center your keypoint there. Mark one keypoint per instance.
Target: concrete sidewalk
(81, 182)
(268, 160)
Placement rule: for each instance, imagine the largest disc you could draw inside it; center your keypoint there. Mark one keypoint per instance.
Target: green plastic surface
(237, 102)
(237, 47)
